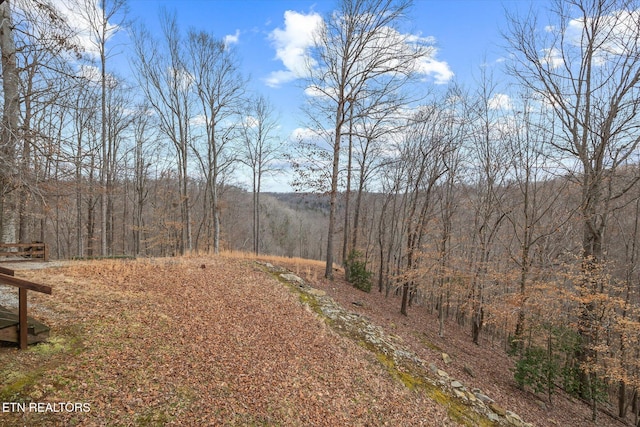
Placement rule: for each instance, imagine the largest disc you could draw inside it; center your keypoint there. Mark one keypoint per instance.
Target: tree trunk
(10, 118)
(328, 271)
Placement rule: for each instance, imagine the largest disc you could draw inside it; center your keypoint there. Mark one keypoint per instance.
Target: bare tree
(586, 68)
(534, 208)
(100, 16)
(488, 166)
(358, 51)
(369, 134)
(167, 84)
(427, 142)
(455, 128)
(261, 150)
(146, 147)
(85, 125)
(219, 88)
(42, 41)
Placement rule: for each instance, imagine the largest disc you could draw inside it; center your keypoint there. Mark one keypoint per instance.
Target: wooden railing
(7, 278)
(37, 250)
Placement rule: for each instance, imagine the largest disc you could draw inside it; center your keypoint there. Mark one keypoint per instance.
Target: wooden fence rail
(7, 278)
(36, 250)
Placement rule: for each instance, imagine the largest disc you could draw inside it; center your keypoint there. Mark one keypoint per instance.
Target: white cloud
(552, 57)
(303, 134)
(292, 44)
(198, 120)
(251, 122)
(276, 78)
(93, 74)
(500, 101)
(230, 39)
(76, 14)
(439, 70)
(428, 65)
(613, 35)
(317, 92)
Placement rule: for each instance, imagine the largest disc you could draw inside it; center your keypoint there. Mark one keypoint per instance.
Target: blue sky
(268, 33)
(466, 33)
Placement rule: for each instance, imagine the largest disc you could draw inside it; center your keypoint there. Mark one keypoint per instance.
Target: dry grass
(308, 268)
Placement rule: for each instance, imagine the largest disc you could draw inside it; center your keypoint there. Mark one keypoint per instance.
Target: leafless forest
(511, 207)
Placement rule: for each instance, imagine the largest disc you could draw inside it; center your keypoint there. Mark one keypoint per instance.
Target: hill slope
(195, 342)
(222, 341)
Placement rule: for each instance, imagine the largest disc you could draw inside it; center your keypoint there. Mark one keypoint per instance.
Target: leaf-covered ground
(195, 341)
(492, 369)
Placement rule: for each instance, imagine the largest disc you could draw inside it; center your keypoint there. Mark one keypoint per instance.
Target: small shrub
(538, 369)
(357, 273)
(544, 367)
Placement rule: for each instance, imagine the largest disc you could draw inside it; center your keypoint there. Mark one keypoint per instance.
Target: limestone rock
(290, 277)
(390, 345)
(316, 292)
(497, 409)
(460, 394)
(483, 397)
(493, 417)
(514, 419)
(469, 371)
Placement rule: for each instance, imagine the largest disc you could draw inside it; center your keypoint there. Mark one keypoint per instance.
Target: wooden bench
(30, 251)
(7, 278)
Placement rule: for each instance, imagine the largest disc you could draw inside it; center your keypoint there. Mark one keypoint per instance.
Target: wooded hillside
(511, 207)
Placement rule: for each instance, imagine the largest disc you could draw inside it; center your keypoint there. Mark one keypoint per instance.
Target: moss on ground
(412, 377)
(24, 375)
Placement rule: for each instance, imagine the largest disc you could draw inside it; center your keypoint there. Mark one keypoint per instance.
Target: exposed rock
(460, 394)
(272, 268)
(360, 327)
(514, 419)
(497, 409)
(396, 337)
(402, 354)
(483, 397)
(290, 277)
(358, 303)
(493, 417)
(316, 292)
(467, 369)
